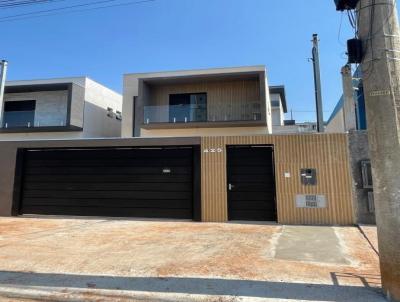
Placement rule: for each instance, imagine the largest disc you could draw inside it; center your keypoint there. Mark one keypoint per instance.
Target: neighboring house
(290, 126)
(356, 110)
(278, 105)
(59, 108)
(349, 116)
(223, 101)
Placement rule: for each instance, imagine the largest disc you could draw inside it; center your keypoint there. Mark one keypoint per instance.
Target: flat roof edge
(201, 71)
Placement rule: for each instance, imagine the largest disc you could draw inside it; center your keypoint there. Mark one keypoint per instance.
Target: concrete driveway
(55, 259)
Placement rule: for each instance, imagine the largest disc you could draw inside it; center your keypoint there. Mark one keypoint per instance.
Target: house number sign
(213, 150)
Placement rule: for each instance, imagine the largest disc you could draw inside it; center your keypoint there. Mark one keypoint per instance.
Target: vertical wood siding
(226, 100)
(327, 153)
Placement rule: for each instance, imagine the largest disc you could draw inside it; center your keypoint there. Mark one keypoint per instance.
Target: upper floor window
(19, 114)
(275, 103)
(188, 107)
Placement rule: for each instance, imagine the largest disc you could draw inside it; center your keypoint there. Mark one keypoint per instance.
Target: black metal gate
(251, 183)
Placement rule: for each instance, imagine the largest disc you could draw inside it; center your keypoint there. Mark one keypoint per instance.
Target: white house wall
(267, 104)
(336, 125)
(96, 122)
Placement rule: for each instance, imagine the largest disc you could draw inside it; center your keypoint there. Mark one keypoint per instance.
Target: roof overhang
(281, 91)
(36, 87)
(195, 75)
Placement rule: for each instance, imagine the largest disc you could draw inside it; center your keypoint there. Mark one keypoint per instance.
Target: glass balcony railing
(200, 113)
(26, 119)
(175, 114)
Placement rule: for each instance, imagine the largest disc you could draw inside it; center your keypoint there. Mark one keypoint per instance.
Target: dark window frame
(187, 97)
(28, 107)
(275, 103)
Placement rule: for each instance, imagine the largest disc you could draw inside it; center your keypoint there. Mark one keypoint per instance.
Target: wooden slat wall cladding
(327, 153)
(226, 99)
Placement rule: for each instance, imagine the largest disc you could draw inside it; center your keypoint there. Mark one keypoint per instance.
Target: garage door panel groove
(106, 170)
(86, 178)
(108, 194)
(106, 154)
(156, 187)
(120, 203)
(156, 162)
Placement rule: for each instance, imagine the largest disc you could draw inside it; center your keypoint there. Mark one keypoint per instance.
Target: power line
(56, 9)
(64, 10)
(15, 4)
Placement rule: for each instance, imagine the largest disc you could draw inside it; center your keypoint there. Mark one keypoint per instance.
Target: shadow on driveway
(197, 286)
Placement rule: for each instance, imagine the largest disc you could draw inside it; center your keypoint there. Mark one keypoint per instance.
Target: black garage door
(251, 183)
(128, 182)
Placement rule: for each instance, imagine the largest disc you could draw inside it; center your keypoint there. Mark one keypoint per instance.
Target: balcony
(26, 119)
(182, 114)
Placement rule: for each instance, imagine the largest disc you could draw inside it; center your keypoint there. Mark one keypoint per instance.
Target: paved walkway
(131, 260)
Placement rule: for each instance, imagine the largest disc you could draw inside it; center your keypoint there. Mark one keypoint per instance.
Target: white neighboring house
(63, 108)
(291, 127)
(278, 106)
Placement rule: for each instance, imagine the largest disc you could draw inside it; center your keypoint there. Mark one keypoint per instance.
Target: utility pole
(379, 31)
(317, 84)
(3, 75)
(349, 112)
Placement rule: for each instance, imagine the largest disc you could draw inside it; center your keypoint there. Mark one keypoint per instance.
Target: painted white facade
(278, 116)
(88, 110)
(336, 123)
(306, 127)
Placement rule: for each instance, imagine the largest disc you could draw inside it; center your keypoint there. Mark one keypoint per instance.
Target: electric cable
(65, 10)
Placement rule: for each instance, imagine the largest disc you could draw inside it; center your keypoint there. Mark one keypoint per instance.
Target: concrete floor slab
(310, 243)
(53, 259)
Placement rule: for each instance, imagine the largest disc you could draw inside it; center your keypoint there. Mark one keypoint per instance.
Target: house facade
(220, 101)
(59, 109)
(351, 109)
(195, 145)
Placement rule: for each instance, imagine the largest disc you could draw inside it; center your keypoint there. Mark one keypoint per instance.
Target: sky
(161, 35)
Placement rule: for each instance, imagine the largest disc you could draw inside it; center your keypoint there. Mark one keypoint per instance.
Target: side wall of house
(358, 151)
(96, 122)
(336, 125)
(327, 153)
(278, 115)
(265, 96)
(131, 90)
